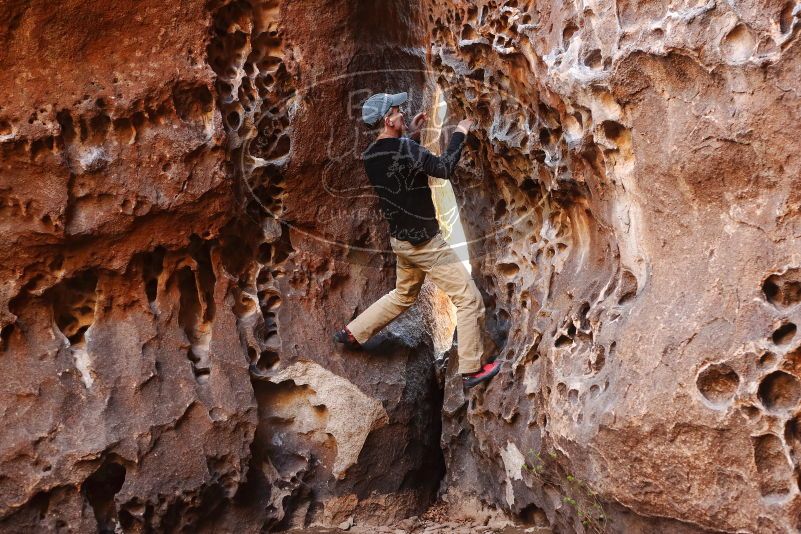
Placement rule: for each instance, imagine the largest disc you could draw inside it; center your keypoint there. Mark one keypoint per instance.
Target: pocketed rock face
(161, 168)
(181, 197)
(634, 201)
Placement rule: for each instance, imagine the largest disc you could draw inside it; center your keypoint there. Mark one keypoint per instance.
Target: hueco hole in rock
(400, 266)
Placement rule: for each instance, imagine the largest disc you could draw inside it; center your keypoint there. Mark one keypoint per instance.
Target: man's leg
(446, 271)
(409, 279)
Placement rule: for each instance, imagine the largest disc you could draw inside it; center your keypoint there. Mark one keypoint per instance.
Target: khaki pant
(437, 260)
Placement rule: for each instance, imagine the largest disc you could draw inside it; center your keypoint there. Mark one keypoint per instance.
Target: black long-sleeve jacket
(399, 168)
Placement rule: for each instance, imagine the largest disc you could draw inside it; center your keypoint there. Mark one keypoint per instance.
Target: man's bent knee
(403, 298)
(469, 300)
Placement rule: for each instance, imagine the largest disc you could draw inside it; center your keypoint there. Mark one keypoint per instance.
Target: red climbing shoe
(346, 338)
(482, 375)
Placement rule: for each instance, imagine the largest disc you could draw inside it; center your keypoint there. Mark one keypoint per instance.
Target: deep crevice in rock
(99, 489)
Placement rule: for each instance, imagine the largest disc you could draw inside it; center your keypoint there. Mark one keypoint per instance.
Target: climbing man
(398, 168)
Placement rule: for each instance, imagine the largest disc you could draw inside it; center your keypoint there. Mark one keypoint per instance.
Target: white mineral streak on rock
(82, 363)
(513, 462)
(352, 415)
(92, 158)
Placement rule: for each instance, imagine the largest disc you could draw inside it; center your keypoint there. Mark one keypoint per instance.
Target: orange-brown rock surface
(182, 199)
(165, 176)
(634, 201)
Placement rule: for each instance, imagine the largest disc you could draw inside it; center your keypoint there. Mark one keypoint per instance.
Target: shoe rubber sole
(346, 343)
(472, 382)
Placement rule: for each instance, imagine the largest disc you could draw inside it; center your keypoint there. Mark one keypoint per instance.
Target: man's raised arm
(444, 165)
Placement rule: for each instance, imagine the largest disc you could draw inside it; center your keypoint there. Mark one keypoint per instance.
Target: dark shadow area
(406, 454)
(99, 489)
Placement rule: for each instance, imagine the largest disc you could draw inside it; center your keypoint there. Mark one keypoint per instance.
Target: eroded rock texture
(181, 198)
(165, 171)
(633, 197)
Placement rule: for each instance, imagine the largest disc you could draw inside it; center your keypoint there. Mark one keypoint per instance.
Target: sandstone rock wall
(634, 210)
(166, 171)
(181, 199)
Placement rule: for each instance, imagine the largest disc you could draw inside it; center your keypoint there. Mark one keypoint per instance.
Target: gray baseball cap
(378, 105)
